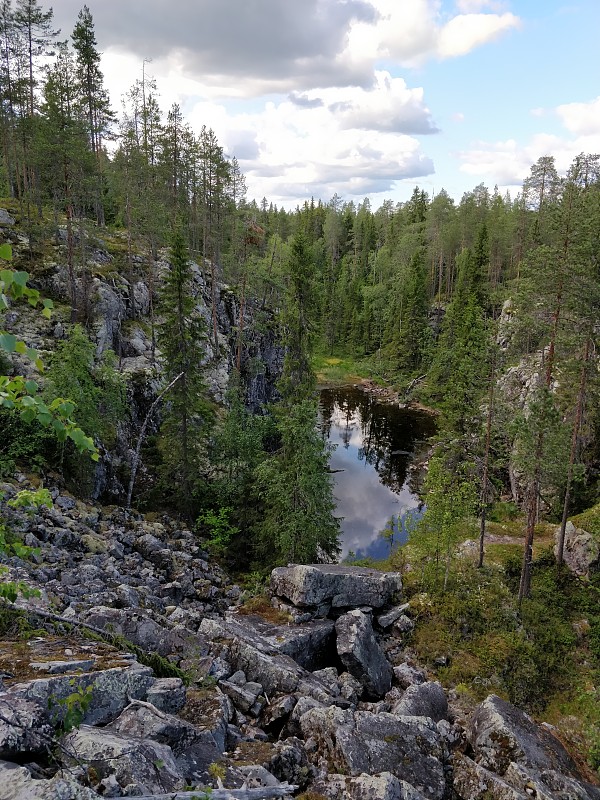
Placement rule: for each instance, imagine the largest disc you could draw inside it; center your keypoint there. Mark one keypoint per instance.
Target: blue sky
(367, 97)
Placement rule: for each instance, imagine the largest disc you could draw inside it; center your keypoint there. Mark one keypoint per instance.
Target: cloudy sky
(366, 97)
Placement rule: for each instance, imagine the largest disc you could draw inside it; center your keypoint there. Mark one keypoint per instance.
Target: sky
(365, 98)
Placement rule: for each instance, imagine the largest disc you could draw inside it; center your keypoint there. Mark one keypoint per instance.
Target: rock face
(360, 653)
(581, 551)
(325, 586)
(500, 734)
(355, 742)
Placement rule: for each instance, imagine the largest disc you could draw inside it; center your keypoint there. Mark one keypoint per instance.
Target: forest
(483, 309)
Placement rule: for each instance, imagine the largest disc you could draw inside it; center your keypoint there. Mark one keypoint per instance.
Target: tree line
(445, 300)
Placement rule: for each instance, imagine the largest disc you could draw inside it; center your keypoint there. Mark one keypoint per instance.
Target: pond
(375, 445)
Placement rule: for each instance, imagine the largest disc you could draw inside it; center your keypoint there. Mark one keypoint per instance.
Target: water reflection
(376, 443)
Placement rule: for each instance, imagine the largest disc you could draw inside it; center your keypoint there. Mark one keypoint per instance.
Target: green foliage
(188, 413)
(451, 499)
(297, 523)
(31, 500)
(218, 528)
(96, 391)
(70, 710)
(20, 393)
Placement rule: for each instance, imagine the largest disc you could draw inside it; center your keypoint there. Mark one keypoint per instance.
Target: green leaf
(21, 278)
(6, 252)
(8, 342)
(6, 276)
(21, 348)
(31, 387)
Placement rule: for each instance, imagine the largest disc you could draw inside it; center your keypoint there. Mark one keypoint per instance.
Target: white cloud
(474, 6)
(508, 162)
(581, 118)
(411, 33)
(467, 31)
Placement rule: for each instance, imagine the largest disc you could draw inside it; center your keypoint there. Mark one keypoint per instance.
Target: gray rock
(549, 783)
(243, 696)
(384, 786)
(108, 690)
(355, 742)
(360, 653)
(246, 650)
(167, 694)
(500, 733)
(402, 626)
(17, 783)
(342, 586)
(60, 667)
(407, 675)
(138, 627)
(311, 644)
(24, 727)
(387, 619)
(423, 700)
(474, 782)
(289, 762)
(209, 712)
(5, 217)
(582, 550)
(146, 722)
(350, 687)
(130, 760)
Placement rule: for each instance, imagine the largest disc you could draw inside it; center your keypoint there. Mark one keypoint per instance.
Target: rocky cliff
(118, 303)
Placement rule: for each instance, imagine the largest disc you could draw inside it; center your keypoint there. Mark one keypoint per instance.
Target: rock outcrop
(581, 551)
(332, 705)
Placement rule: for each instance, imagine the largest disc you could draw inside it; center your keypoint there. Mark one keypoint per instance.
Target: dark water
(375, 445)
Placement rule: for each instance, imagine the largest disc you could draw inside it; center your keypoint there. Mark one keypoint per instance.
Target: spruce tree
(294, 485)
(188, 414)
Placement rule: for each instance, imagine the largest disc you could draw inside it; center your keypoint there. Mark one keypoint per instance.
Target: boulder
(141, 763)
(500, 733)
(5, 217)
(356, 742)
(311, 644)
(17, 783)
(582, 550)
(243, 695)
(139, 628)
(366, 787)
(107, 692)
(246, 650)
(24, 727)
(336, 585)
(167, 694)
(423, 700)
(474, 782)
(549, 783)
(406, 675)
(385, 620)
(146, 722)
(360, 653)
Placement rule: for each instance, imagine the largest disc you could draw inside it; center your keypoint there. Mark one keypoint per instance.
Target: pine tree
(92, 95)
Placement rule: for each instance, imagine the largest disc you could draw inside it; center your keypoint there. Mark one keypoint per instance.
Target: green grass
(589, 520)
(338, 369)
